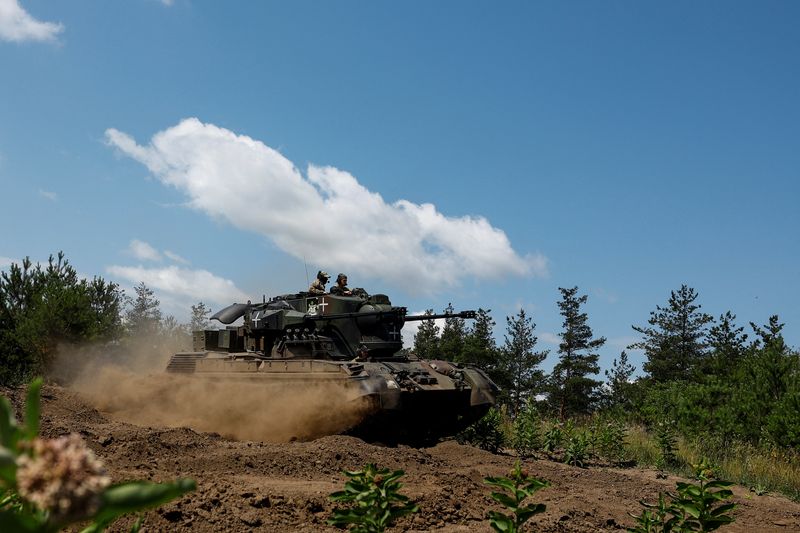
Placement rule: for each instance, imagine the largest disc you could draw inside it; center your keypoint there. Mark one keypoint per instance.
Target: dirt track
(255, 486)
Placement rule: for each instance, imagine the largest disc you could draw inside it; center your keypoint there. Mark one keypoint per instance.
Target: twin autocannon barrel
(394, 312)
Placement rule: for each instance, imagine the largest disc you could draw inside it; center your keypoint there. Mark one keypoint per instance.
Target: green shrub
(609, 440)
(516, 488)
(695, 507)
(553, 438)
(487, 433)
(526, 436)
(374, 498)
(667, 442)
(576, 452)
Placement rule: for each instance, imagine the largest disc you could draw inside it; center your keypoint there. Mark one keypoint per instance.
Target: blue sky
(477, 153)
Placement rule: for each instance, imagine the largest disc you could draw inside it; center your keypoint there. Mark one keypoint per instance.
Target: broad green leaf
(723, 509)
(32, 409)
(139, 495)
(719, 485)
(18, 523)
(8, 424)
(504, 499)
(688, 508)
(525, 514)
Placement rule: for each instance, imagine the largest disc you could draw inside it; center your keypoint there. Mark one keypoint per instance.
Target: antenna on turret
(305, 265)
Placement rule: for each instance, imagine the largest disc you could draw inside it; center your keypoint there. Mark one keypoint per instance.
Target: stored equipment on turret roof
(302, 339)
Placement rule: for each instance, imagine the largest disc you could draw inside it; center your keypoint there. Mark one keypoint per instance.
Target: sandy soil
(259, 486)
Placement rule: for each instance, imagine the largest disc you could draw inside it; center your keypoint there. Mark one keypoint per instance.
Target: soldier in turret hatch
(318, 285)
(340, 289)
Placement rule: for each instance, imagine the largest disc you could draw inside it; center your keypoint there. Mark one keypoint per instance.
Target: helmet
(341, 276)
(323, 275)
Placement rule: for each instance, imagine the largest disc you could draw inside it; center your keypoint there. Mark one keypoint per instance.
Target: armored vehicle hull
(304, 340)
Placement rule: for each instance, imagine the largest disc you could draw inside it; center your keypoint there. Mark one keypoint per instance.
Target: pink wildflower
(62, 476)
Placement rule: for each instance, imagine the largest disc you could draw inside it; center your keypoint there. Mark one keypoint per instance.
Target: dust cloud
(129, 384)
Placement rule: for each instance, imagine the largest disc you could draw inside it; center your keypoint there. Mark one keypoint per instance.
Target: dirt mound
(250, 485)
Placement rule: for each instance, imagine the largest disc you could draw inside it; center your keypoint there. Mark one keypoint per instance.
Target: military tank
(355, 340)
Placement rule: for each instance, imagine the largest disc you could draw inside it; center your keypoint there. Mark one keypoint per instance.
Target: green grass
(767, 470)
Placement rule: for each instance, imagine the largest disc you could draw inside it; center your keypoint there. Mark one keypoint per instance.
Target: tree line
(700, 375)
(44, 307)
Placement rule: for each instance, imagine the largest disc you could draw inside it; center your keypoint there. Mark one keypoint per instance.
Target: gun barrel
(462, 314)
(399, 312)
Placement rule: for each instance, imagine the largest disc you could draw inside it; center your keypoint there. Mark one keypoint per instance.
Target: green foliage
(527, 438)
(135, 496)
(676, 340)
(426, 339)
(451, 342)
(609, 440)
(576, 452)
(374, 498)
(514, 490)
(728, 348)
(667, 442)
(479, 345)
(44, 306)
(199, 317)
(619, 395)
(21, 507)
(143, 316)
(517, 369)
(572, 390)
(653, 517)
(695, 507)
(486, 433)
(553, 437)
(783, 423)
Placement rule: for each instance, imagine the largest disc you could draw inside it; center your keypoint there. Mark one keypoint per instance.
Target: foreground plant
(696, 507)
(486, 433)
(553, 438)
(516, 488)
(667, 444)
(48, 484)
(374, 498)
(576, 453)
(609, 440)
(526, 438)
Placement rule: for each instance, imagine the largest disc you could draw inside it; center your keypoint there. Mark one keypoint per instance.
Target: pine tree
(769, 388)
(451, 342)
(480, 348)
(675, 343)
(199, 319)
(772, 365)
(618, 379)
(143, 316)
(728, 347)
(573, 391)
(517, 369)
(426, 339)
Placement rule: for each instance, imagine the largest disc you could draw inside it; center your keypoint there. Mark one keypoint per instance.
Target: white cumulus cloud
(143, 251)
(182, 284)
(325, 216)
(17, 25)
